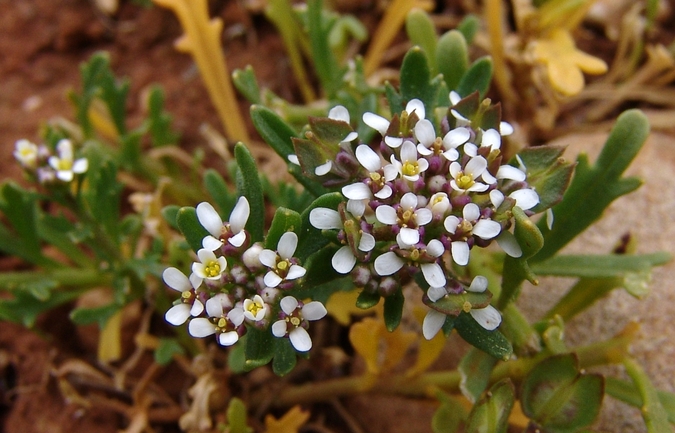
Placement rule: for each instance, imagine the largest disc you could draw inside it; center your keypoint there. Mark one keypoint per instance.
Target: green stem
(653, 413)
(64, 277)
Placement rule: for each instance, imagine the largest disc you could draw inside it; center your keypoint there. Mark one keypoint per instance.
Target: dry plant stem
(202, 41)
(611, 351)
(388, 29)
(494, 17)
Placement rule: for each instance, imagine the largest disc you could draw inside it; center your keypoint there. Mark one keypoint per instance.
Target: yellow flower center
(283, 265)
(375, 177)
(254, 307)
(464, 181)
(295, 321)
(65, 165)
(222, 323)
(212, 268)
(410, 168)
(415, 255)
(467, 306)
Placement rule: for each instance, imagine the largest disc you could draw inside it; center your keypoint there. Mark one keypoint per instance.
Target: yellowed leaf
(429, 350)
(381, 349)
(289, 423)
(342, 305)
(110, 340)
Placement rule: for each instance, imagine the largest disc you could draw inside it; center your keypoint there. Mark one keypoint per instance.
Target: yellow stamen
(212, 269)
(467, 306)
(464, 181)
(295, 321)
(410, 168)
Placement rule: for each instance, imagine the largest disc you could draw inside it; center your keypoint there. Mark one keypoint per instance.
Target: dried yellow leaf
(289, 423)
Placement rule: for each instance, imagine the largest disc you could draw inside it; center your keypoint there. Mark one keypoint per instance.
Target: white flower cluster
(422, 196)
(47, 167)
(234, 284)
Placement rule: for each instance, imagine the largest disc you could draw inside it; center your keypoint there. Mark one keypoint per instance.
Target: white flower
(372, 162)
(408, 217)
(294, 321)
(255, 309)
(26, 153)
(470, 225)
(223, 320)
(390, 262)
(492, 139)
(190, 305)
(340, 113)
(409, 167)
(429, 143)
(439, 203)
(464, 180)
(281, 263)
(219, 230)
(64, 165)
(209, 266)
(487, 317)
(381, 124)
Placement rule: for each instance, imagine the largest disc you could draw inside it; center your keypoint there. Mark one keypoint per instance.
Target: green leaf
(284, 357)
(547, 173)
(170, 215)
(469, 27)
(103, 196)
(600, 266)
(319, 268)
(237, 417)
(491, 342)
(167, 348)
(422, 32)
(58, 231)
(393, 310)
(219, 191)
(453, 58)
(449, 416)
(249, 186)
(491, 413)
(285, 220)
(310, 239)
(272, 128)
(189, 226)
(100, 315)
(24, 308)
(593, 188)
(628, 393)
(475, 369)
(453, 304)
(654, 414)
(416, 80)
(477, 78)
(259, 347)
(326, 66)
(159, 121)
(236, 358)
(557, 396)
(245, 82)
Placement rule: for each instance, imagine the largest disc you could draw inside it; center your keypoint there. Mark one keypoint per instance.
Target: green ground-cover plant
(408, 201)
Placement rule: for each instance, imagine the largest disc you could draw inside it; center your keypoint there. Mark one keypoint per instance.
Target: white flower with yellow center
(281, 264)
(209, 266)
(26, 153)
(408, 217)
(376, 180)
(430, 144)
(409, 167)
(64, 165)
(223, 321)
(470, 225)
(293, 320)
(189, 304)
(255, 308)
(464, 179)
(390, 262)
(233, 231)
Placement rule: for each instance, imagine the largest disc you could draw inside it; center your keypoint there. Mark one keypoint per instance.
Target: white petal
(471, 212)
(454, 97)
(238, 239)
(525, 198)
(393, 142)
(425, 133)
(488, 317)
(287, 244)
(433, 322)
(478, 284)
(271, 279)
(323, 168)
(236, 316)
(451, 223)
(206, 256)
(295, 272)
(456, 138)
(367, 242)
(288, 304)
(343, 260)
(409, 201)
(386, 214)
(417, 106)
(293, 159)
(313, 311)
(279, 328)
(357, 191)
(350, 137)
(433, 273)
(228, 338)
(390, 171)
(368, 158)
(423, 150)
(239, 215)
(496, 197)
(378, 123)
(455, 169)
(201, 327)
(476, 166)
(210, 243)
(471, 149)
(176, 279)
(409, 236)
(505, 129)
(324, 218)
(436, 293)
(388, 263)
(197, 308)
(209, 219)
(268, 258)
(408, 152)
(478, 187)
(356, 208)
(214, 306)
(80, 166)
(488, 177)
(178, 314)
(510, 172)
(451, 154)
(65, 175)
(339, 113)
(486, 229)
(491, 138)
(385, 192)
(507, 241)
(460, 252)
(423, 216)
(435, 248)
(300, 339)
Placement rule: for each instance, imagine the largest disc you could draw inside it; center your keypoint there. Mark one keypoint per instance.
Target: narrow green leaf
(245, 82)
(475, 369)
(159, 121)
(593, 188)
(249, 186)
(57, 230)
(477, 78)
(170, 215)
(103, 196)
(259, 347)
(100, 315)
(600, 266)
(547, 173)
(273, 130)
(453, 58)
(628, 393)
(24, 308)
(653, 412)
(167, 348)
(491, 342)
(367, 299)
(219, 191)
(469, 27)
(491, 413)
(422, 32)
(188, 224)
(285, 220)
(449, 416)
(327, 68)
(310, 239)
(393, 310)
(416, 79)
(237, 417)
(284, 357)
